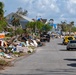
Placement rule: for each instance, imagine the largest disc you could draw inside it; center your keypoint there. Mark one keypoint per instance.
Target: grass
(3, 64)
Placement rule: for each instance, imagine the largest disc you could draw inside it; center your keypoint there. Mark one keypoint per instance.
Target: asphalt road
(52, 59)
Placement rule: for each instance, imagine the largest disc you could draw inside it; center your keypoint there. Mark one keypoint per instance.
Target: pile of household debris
(24, 43)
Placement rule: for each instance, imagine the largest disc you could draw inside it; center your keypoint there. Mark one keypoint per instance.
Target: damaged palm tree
(15, 22)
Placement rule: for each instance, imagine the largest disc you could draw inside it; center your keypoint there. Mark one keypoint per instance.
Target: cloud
(41, 7)
(71, 6)
(72, 1)
(56, 9)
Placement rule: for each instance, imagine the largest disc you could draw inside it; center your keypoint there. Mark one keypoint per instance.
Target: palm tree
(22, 12)
(3, 22)
(71, 25)
(15, 22)
(1, 10)
(64, 26)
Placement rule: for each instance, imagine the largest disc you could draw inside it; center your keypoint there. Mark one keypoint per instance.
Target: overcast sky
(59, 10)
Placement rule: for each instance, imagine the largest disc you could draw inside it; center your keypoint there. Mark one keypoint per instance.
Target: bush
(29, 51)
(3, 63)
(16, 53)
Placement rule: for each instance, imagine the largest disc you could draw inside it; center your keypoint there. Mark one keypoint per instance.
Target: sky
(59, 10)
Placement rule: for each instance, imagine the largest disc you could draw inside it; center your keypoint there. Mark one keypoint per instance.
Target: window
(72, 41)
(70, 38)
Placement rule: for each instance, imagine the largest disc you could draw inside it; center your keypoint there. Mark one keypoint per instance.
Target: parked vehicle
(75, 37)
(44, 37)
(71, 45)
(66, 39)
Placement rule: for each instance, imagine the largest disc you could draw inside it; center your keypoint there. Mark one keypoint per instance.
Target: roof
(22, 17)
(43, 20)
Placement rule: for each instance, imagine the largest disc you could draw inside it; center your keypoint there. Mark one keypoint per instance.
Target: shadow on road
(63, 50)
(39, 74)
(60, 43)
(50, 72)
(66, 50)
(22, 74)
(72, 64)
(70, 59)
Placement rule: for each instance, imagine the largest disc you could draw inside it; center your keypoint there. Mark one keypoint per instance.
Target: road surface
(52, 59)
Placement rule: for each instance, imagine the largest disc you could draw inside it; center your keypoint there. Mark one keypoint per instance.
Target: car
(66, 39)
(71, 45)
(75, 37)
(44, 37)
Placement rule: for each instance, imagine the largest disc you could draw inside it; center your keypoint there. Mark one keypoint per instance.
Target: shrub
(3, 63)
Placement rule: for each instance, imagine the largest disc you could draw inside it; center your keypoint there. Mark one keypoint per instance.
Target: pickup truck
(44, 37)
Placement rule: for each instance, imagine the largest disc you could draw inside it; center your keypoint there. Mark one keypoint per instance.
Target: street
(51, 59)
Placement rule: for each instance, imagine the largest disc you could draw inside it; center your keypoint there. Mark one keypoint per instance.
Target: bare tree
(21, 11)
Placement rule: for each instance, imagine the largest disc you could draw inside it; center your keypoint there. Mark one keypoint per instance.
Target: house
(56, 28)
(23, 19)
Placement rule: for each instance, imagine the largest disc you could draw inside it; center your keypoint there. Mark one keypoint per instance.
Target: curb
(20, 58)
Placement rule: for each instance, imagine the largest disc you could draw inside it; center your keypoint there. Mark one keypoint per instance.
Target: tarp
(54, 26)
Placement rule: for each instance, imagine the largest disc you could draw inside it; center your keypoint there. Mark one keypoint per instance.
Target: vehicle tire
(63, 43)
(48, 40)
(68, 49)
